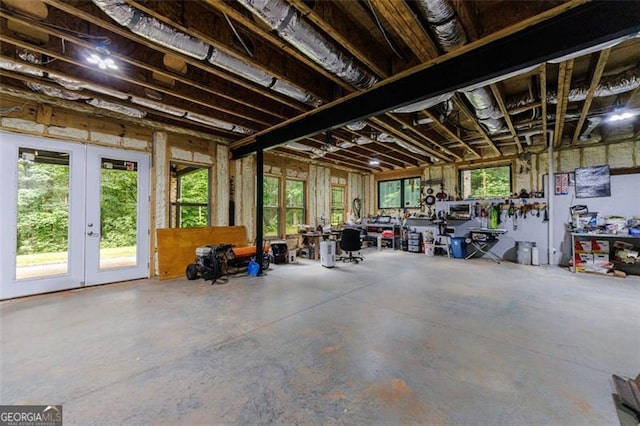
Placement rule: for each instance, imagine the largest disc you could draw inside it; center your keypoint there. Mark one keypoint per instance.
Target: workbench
(482, 244)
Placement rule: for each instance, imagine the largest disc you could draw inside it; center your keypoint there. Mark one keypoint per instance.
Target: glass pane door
(41, 217)
(117, 221)
(42, 228)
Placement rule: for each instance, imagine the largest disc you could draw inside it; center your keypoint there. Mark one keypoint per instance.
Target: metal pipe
(259, 207)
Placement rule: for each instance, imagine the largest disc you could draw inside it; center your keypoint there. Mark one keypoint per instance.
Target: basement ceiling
(234, 69)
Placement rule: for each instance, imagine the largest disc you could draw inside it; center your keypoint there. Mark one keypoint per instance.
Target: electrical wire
(237, 35)
(384, 33)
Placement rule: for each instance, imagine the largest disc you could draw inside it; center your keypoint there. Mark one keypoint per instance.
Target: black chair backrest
(350, 240)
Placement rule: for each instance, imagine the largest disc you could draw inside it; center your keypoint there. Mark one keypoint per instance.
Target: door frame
(76, 272)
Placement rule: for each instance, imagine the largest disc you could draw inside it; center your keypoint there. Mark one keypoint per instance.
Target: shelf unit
(582, 244)
(374, 230)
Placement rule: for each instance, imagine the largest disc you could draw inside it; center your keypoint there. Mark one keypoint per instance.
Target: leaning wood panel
(177, 246)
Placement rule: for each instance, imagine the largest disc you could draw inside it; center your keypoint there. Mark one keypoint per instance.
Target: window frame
(175, 218)
(461, 170)
(402, 190)
(286, 206)
(332, 208)
(278, 207)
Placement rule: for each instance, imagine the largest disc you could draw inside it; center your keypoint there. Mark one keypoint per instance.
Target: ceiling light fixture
(374, 162)
(619, 116)
(102, 63)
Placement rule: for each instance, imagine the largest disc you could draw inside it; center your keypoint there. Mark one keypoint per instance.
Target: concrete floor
(401, 338)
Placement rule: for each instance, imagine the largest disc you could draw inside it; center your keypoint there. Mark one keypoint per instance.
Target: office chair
(350, 242)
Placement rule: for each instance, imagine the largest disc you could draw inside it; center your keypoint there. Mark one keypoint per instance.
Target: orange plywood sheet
(177, 246)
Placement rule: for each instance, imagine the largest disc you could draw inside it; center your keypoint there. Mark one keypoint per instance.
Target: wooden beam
(412, 128)
(603, 56)
(498, 95)
(382, 126)
(564, 86)
(81, 108)
(207, 68)
(403, 21)
(201, 24)
(276, 41)
(43, 114)
(332, 22)
(459, 103)
(446, 132)
(543, 100)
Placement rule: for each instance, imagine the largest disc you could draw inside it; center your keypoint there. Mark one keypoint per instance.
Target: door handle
(93, 234)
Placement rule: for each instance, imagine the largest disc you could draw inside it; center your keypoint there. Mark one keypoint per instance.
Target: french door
(72, 215)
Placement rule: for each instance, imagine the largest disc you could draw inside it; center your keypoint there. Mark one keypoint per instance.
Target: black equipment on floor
(279, 250)
(209, 262)
(350, 242)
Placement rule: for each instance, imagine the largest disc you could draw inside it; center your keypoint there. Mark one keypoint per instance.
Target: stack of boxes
(591, 253)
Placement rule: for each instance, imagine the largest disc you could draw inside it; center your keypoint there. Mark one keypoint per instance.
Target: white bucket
(428, 249)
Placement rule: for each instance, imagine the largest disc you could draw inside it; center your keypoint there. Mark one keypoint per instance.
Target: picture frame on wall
(593, 182)
(561, 183)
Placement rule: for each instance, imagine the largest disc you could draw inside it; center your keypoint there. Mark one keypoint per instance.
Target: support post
(259, 207)
(550, 201)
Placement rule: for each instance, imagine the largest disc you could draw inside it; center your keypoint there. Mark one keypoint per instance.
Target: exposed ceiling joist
(497, 93)
(564, 86)
(603, 56)
(529, 44)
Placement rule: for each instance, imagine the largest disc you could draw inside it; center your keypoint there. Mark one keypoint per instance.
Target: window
(189, 196)
(399, 193)
(271, 200)
(488, 182)
(337, 205)
(294, 214)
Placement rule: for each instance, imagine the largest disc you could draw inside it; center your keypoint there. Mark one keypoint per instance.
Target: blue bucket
(458, 247)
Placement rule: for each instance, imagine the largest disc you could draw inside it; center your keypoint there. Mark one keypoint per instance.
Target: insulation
(54, 92)
(608, 86)
(286, 21)
(594, 156)
(121, 109)
(620, 155)
(8, 65)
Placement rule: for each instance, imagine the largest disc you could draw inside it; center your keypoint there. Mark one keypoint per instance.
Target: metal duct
(423, 120)
(55, 92)
(528, 134)
(346, 144)
(286, 21)
(150, 28)
(593, 122)
(73, 84)
(443, 23)
(356, 125)
(450, 35)
(158, 106)
(410, 147)
(427, 103)
(8, 65)
(298, 146)
(361, 140)
(203, 119)
(608, 86)
(122, 109)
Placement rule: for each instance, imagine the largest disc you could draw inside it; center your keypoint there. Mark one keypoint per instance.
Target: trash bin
(458, 247)
(524, 252)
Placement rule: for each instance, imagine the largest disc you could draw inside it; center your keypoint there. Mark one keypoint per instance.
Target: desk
(480, 239)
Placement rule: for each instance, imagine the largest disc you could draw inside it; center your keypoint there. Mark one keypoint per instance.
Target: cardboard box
(586, 257)
(583, 246)
(600, 258)
(601, 246)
